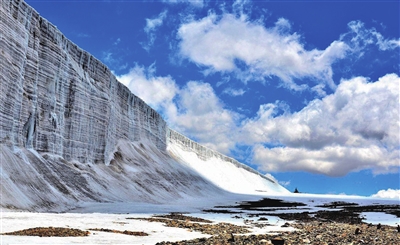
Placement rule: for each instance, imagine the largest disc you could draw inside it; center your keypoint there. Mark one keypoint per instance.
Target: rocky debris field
(131, 233)
(66, 232)
(49, 232)
(343, 225)
(179, 216)
(197, 224)
(315, 233)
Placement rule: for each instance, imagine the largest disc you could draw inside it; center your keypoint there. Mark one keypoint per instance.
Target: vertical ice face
(64, 111)
(57, 98)
(204, 153)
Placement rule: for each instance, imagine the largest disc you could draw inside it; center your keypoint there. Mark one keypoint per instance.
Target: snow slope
(138, 173)
(222, 171)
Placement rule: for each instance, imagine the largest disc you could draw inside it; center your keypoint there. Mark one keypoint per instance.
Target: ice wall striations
(63, 115)
(205, 153)
(57, 98)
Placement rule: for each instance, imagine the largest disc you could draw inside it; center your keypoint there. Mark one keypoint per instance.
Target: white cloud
(117, 41)
(360, 37)
(220, 43)
(151, 26)
(355, 128)
(194, 110)
(203, 116)
(234, 92)
(158, 92)
(389, 193)
(111, 58)
(114, 56)
(195, 3)
(284, 183)
(83, 35)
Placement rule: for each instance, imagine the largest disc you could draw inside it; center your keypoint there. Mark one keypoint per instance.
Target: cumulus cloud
(234, 44)
(203, 115)
(194, 110)
(389, 193)
(158, 92)
(355, 128)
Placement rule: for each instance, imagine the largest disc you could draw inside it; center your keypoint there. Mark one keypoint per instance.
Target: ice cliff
(57, 98)
(70, 132)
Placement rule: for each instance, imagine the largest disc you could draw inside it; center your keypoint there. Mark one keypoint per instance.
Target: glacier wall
(59, 99)
(205, 153)
(70, 133)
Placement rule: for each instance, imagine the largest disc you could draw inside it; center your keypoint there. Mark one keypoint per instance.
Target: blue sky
(307, 91)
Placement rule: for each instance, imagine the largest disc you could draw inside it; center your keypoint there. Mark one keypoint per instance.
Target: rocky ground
(313, 232)
(337, 223)
(131, 233)
(67, 232)
(199, 225)
(341, 226)
(49, 232)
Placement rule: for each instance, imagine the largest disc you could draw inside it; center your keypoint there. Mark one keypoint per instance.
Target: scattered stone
(231, 239)
(358, 231)
(286, 225)
(277, 241)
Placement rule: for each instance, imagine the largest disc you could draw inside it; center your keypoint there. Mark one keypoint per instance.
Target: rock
(277, 241)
